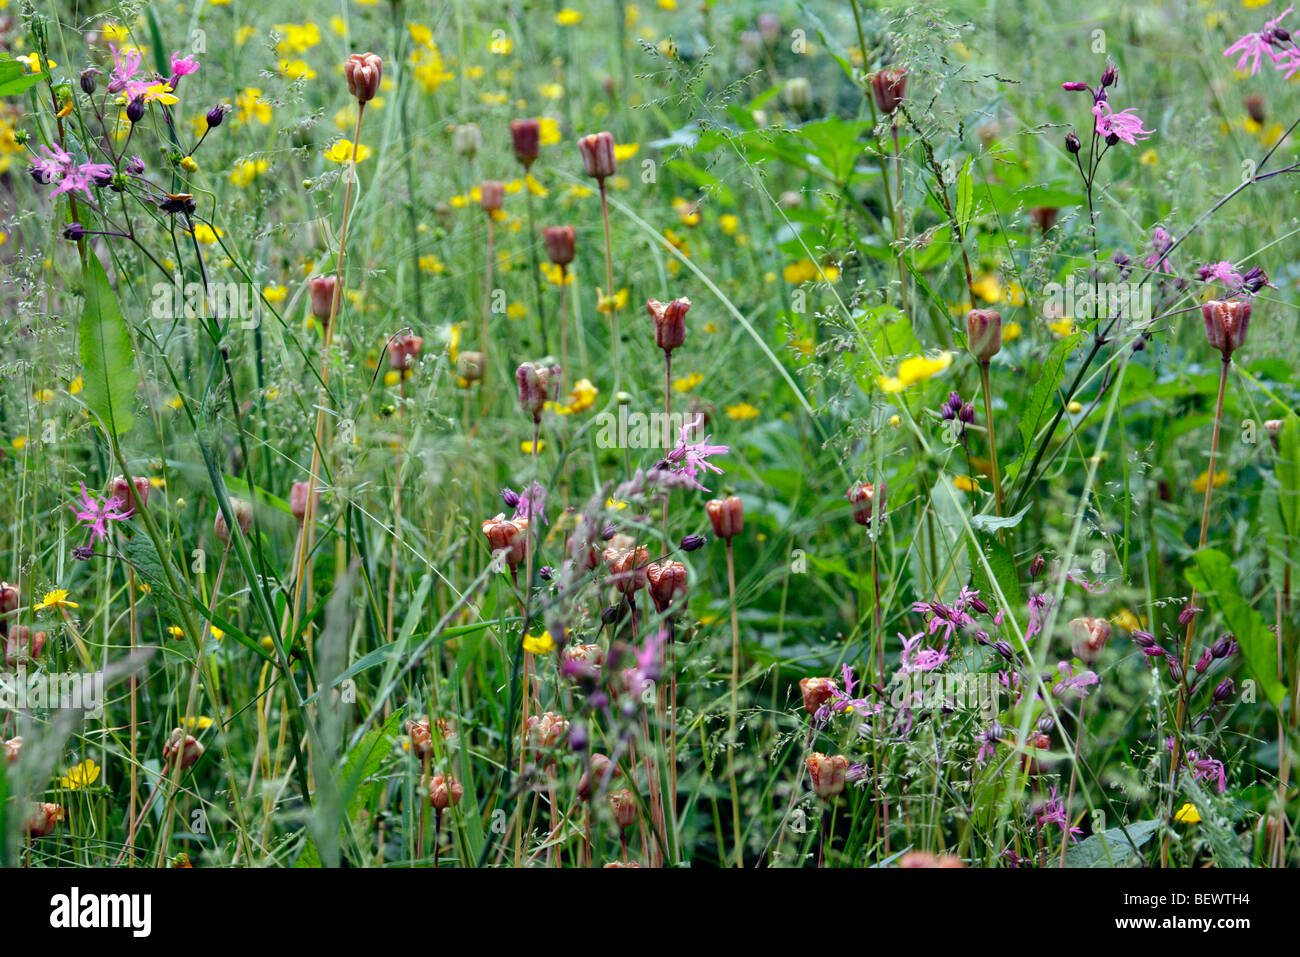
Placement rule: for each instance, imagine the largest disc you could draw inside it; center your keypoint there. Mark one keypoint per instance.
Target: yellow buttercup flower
(1187, 814)
(341, 152)
(805, 270)
(741, 411)
(527, 447)
(206, 234)
(249, 106)
(1010, 332)
(549, 131)
(56, 599)
(542, 644)
(1203, 480)
(1062, 327)
(611, 304)
(914, 369)
(988, 287)
(625, 151)
(965, 483)
(688, 383)
(80, 775)
(568, 17)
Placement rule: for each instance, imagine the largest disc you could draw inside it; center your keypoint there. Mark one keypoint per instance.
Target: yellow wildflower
(56, 599)
(741, 411)
(80, 775)
(542, 644)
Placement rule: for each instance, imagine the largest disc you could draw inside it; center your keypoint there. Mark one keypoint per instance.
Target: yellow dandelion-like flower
(58, 598)
(1062, 327)
(688, 383)
(536, 188)
(1187, 814)
(568, 17)
(527, 447)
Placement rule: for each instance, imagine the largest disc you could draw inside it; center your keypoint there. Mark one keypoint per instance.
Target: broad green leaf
(15, 79)
(1214, 577)
(107, 360)
(1113, 847)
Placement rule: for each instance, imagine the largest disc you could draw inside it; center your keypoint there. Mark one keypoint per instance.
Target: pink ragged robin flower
(96, 514)
(1125, 125)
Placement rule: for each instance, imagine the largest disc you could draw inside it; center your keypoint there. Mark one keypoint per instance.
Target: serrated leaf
(1214, 577)
(107, 359)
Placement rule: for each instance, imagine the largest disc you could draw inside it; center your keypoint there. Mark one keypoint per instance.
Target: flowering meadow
(649, 433)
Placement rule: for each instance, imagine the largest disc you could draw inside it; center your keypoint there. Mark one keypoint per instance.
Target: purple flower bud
(1074, 86)
(546, 572)
(693, 542)
(1203, 662)
(609, 614)
(1187, 614)
(135, 110)
(1110, 76)
(1072, 143)
(510, 497)
(1175, 668)
(217, 114)
(1222, 648)
(1153, 651)
(1004, 649)
(1224, 690)
(74, 231)
(1036, 566)
(1143, 639)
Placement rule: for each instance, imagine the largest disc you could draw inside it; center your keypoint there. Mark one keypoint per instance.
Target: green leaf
(15, 79)
(1111, 848)
(1288, 474)
(1048, 381)
(1215, 578)
(107, 359)
(965, 195)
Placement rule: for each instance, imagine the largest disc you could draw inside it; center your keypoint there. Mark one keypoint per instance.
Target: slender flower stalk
(363, 81)
(1225, 326)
